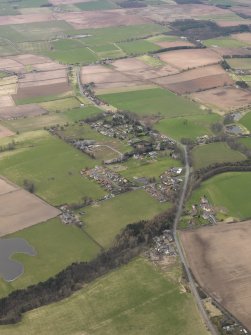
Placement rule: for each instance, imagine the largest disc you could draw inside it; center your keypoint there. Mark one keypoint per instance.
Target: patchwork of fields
(99, 101)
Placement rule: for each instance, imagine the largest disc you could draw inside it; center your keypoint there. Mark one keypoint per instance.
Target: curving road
(181, 253)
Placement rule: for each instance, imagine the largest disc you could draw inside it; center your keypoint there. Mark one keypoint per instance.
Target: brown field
(29, 59)
(27, 18)
(195, 80)
(37, 91)
(191, 58)
(101, 19)
(224, 98)
(174, 44)
(5, 132)
(43, 76)
(124, 73)
(6, 101)
(42, 83)
(219, 257)
(243, 37)
(232, 52)
(20, 209)
(232, 23)
(172, 12)
(19, 63)
(7, 113)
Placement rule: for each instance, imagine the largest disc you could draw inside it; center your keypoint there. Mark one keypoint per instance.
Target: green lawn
(147, 168)
(154, 101)
(135, 299)
(246, 121)
(53, 166)
(57, 246)
(230, 191)
(52, 118)
(219, 152)
(105, 221)
(187, 127)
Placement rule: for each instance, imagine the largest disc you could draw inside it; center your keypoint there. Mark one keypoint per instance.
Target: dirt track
(219, 257)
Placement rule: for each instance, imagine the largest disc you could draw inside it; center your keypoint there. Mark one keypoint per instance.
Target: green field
(246, 121)
(50, 239)
(61, 104)
(187, 127)
(228, 191)
(138, 47)
(246, 141)
(225, 42)
(34, 31)
(240, 63)
(44, 99)
(96, 5)
(147, 168)
(53, 166)
(135, 299)
(155, 101)
(73, 56)
(218, 152)
(50, 119)
(105, 221)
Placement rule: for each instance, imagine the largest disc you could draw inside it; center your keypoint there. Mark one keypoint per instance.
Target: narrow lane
(181, 252)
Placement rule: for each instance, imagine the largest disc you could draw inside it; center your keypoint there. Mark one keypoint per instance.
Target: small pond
(11, 269)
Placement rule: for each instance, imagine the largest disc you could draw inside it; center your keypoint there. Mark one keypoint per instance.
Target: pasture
(138, 47)
(226, 42)
(155, 101)
(106, 219)
(246, 121)
(147, 168)
(51, 119)
(187, 127)
(50, 239)
(221, 272)
(96, 5)
(246, 141)
(54, 168)
(218, 152)
(142, 300)
(227, 191)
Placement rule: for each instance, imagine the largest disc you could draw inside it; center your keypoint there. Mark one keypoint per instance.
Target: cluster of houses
(119, 126)
(68, 217)
(168, 187)
(163, 246)
(205, 210)
(110, 180)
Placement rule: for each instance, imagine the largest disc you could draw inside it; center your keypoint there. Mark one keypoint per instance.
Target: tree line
(129, 243)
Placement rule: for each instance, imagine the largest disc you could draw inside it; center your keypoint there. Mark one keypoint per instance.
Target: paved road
(182, 256)
(181, 253)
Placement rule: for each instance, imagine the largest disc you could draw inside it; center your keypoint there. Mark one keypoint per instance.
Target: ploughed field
(219, 257)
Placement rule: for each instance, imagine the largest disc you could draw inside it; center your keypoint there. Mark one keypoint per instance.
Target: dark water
(9, 268)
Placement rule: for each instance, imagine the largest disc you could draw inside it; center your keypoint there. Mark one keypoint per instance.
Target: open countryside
(125, 167)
